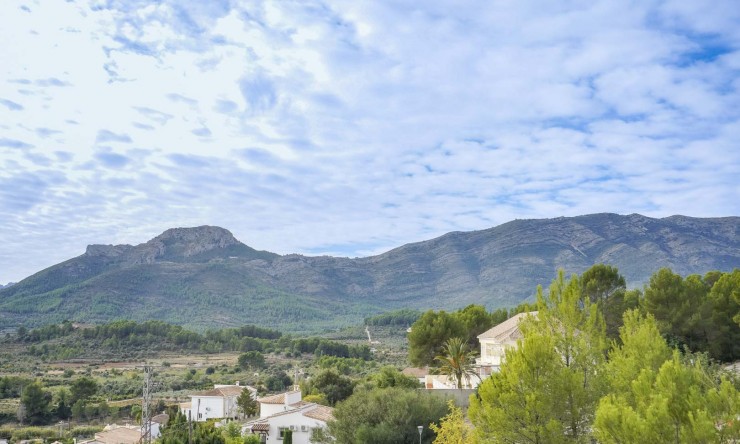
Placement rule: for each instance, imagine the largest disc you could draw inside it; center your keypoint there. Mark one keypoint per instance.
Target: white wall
(297, 420)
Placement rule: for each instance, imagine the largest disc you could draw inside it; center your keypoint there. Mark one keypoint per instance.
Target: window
(281, 432)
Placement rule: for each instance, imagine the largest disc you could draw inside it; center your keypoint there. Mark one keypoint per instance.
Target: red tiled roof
(321, 412)
(260, 427)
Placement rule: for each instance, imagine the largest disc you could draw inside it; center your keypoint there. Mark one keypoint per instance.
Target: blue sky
(349, 128)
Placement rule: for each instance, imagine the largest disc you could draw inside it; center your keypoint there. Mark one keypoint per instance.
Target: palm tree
(457, 360)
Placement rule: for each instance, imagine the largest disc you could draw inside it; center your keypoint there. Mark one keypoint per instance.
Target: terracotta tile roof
(321, 412)
(221, 391)
(509, 329)
(186, 405)
(275, 399)
(260, 427)
(416, 372)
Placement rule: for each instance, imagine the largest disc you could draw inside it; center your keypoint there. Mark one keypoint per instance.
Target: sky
(349, 128)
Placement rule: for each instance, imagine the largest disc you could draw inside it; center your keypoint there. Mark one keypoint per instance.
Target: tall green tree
(475, 320)
(429, 333)
(83, 388)
(248, 406)
(655, 396)
(457, 360)
(386, 416)
(176, 430)
(36, 403)
(723, 332)
(603, 285)
(549, 385)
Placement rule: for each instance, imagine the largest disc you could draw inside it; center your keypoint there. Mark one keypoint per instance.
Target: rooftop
(509, 329)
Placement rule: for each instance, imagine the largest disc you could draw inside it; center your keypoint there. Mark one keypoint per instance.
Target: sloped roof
(321, 412)
(260, 427)
(275, 399)
(416, 372)
(509, 329)
(232, 390)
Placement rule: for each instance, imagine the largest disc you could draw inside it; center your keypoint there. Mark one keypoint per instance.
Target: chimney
(237, 383)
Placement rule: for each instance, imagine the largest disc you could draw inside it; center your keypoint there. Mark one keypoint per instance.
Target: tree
(83, 388)
(657, 397)
(247, 404)
(278, 382)
(390, 415)
(287, 436)
(601, 282)
(429, 333)
(452, 428)
(207, 433)
(457, 360)
(332, 385)
(724, 333)
(604, 286)
(78, 410)
(475, 320)
(516, 404)
(63, 409)
(251, 359)
(389, 376)
(548, 387)
(36, 402)
(176, 429)
(676, 404)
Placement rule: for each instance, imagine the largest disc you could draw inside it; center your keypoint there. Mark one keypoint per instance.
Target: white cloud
(354, 127)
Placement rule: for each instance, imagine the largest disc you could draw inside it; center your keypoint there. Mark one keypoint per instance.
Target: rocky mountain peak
(191, 241)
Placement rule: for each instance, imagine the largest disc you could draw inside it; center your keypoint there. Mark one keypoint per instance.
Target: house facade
(495, 342)
(287, 411)
(218, 403)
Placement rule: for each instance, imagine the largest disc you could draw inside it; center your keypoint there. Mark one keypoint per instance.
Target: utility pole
(146, 413)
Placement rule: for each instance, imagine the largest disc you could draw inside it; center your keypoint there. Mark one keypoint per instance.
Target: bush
(33, 433)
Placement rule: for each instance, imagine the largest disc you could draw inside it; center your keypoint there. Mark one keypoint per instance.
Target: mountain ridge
(204, 277)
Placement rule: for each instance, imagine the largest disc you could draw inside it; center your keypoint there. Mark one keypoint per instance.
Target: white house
(286, 411)
(494, 342)
(218, 403)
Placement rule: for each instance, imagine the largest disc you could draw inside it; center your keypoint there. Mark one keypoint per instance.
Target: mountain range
(203, 277)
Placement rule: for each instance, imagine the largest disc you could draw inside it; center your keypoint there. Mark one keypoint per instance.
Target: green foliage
(390, 377)
(429, 333)
(176, 430)
(248, 406)
(452, 428)
(331, 385)
(83, 388)
(457, 360)
(251, 359)
(287, 436)
(697, 313)
(403, 317)
(36, 401)
(660, 398)
(389, 415)
(251, 439)
(10, 386)
(207, 433)
(548, 387)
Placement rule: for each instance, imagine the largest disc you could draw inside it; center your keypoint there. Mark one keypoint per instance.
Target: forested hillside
(203, 277)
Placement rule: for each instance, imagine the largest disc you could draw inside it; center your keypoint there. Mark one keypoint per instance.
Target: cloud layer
(349, 128)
